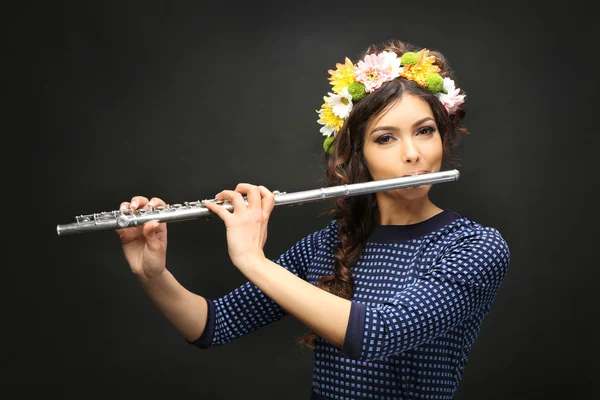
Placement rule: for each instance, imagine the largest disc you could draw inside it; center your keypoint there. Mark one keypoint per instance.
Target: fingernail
(133, 204)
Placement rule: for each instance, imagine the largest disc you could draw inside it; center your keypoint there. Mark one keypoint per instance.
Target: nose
(410, 153)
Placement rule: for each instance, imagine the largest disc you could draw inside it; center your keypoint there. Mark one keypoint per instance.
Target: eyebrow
(393, 128)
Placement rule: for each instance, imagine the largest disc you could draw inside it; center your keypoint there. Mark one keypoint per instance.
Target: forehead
(402, 113)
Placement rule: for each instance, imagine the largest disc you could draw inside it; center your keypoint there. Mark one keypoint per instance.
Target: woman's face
(402, 140)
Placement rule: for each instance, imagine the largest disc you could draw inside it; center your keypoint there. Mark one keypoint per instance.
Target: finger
(128, 234)
(220, 211)
(239, 205)
(157, 202)
(138, 202)
(156, 234)
(252, 194)
(267, 200)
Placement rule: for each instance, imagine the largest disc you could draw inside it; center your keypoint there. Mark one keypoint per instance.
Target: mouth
(417, 173)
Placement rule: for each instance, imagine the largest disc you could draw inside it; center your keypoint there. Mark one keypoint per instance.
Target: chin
(414, 193)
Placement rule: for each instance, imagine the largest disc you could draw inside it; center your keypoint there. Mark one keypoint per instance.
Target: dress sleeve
(247, 308)
(463, 280)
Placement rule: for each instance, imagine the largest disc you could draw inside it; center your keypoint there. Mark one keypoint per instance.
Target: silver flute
(110, 220)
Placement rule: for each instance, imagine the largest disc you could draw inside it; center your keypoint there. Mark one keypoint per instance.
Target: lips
(422, 171)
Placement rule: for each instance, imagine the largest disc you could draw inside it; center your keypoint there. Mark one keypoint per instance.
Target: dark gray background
(182, 100)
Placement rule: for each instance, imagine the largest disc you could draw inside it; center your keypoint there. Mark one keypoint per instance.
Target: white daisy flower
(341, 104)
(327, 131)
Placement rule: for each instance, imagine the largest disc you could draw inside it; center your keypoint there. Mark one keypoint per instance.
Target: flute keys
(123, 221)
(83, 218)
(219, 202)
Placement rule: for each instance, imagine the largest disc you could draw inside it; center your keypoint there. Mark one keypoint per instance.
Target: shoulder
(328, 233)
(473, 254)
(469, 242)
(465, 229)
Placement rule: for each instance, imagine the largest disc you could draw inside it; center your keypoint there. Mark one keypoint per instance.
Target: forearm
(324, 313)
(185, 310)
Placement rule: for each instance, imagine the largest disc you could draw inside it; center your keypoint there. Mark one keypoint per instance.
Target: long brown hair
(356, 215)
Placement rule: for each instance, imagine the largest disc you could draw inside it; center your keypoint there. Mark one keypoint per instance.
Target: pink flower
(374, 70)
(451, 99)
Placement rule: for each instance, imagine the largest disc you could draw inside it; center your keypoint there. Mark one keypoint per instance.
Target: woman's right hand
(145, 246)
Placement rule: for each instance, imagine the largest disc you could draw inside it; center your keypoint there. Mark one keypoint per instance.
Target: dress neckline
(385, 233)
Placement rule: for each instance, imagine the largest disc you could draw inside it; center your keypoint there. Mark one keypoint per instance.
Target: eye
(426, 130)
(383, 139)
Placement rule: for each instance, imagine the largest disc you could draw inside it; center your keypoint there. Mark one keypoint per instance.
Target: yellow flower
(327, 117)
(342, 76)
(418, 72)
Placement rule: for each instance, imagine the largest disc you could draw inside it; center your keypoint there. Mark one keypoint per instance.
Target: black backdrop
(182, 100)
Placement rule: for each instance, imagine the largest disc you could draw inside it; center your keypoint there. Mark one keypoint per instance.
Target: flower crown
(351, 82)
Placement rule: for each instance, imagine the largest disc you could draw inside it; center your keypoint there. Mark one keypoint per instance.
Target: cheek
(436, 149)
(373, 157)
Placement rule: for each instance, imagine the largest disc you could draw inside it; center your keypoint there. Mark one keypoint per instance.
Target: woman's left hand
(246, 225)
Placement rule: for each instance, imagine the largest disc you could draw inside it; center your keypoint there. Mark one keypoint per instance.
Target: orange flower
(418, 72)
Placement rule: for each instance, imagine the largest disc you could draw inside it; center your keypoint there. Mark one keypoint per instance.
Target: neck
(392, 211)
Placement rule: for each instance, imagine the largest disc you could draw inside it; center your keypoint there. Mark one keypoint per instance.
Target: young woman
(394, 289)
